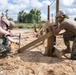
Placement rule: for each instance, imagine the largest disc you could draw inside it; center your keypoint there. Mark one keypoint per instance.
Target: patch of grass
(28, 25)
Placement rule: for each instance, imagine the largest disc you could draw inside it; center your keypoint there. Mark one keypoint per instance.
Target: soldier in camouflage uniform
(70, 32)
(5, 34)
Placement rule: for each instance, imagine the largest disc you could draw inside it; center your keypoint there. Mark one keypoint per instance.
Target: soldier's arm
(55, 31)
(12, 40)
(58, 31)
(2, 31)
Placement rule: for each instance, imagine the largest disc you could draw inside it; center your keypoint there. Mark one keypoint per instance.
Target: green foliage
(66, 16)
(21, 16)
(75, 18)
(34, 16)
(11, 19)
(28, 25)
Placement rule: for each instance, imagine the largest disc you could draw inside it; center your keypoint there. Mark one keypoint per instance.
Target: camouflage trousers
(4, 47)
(67, 38)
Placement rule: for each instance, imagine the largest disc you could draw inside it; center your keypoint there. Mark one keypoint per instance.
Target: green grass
(28, 25)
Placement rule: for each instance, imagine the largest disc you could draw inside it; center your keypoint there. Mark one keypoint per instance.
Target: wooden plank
(35, 42)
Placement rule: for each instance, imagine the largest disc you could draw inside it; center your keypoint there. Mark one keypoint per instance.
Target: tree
(38, 18)
(21, 16)
(36, 15)
(33, 16)
(29, 18)
(75, 18)
(6, 13)
(11, 19)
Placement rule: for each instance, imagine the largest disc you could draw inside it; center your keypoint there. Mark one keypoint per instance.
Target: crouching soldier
(70, 32)
(5, 35)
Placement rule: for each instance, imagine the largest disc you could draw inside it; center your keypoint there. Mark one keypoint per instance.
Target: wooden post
(57, 9)
(50, 41)
(48, 13)
(35, 30)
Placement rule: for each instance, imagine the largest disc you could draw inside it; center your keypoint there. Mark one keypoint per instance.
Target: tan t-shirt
(69, 26)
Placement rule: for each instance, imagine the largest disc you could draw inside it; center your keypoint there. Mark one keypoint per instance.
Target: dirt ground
(33, 62)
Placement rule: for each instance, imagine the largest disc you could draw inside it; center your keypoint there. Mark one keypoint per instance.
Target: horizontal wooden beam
(42, 38)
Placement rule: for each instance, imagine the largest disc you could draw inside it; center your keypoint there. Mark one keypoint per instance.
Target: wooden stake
(50, 40)
(57, 9)
(35, 30)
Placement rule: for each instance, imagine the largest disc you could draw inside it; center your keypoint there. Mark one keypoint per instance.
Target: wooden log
(50, 43)
(50, 40)
(35, 42)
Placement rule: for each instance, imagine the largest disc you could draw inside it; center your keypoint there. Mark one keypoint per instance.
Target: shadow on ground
(37, 56)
